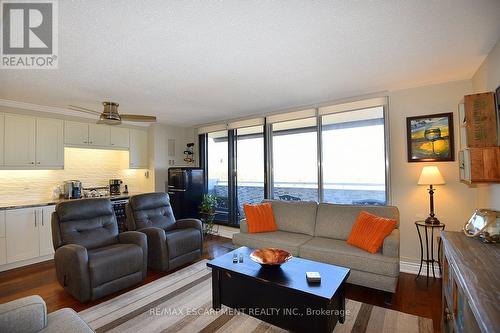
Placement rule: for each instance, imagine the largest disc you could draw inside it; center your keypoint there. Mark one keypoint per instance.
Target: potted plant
(207, 212)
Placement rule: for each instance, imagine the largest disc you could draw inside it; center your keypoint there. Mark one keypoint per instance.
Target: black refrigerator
(185, 187)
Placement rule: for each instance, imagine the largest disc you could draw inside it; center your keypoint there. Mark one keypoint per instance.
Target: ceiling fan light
(106, 119)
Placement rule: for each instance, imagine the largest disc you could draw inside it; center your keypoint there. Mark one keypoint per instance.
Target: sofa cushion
(182, 241)
(113, 262)
(281, 239)
(66, 320)
(260, 217)
(297, 216)
(369, 231)
(338, 252)
(336, 221)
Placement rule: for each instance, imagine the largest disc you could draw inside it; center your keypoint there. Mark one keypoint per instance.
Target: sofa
(171, 243)
(319, 232)
(29, 315)
(92, 259)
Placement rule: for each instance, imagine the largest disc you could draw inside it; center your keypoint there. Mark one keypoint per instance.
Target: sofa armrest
(243, 225)
(157, 247)
(72, 267)
(140, 239)
(27, 314)
(390, 247)
(189, 223)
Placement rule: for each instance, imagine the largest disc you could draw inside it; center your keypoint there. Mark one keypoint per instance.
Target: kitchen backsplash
(94, 167)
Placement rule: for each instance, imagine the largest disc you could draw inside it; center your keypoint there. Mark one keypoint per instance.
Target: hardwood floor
(413, 296)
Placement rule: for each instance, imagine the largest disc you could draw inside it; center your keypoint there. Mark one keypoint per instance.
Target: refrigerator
(185, 187)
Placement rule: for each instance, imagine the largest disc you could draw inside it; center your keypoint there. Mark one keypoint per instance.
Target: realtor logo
(29, 34)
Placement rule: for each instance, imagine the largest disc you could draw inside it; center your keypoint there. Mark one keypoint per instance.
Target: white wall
(454, 201)
(158, 137)
(487, 78)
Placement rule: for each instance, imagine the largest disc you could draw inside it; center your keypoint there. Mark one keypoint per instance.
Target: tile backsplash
(94, 167)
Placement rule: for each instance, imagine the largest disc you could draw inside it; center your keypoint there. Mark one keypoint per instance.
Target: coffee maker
(115, 186)
(72, 189)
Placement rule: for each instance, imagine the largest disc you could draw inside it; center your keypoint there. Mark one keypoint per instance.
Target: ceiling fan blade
(136, 117)
(79, 108)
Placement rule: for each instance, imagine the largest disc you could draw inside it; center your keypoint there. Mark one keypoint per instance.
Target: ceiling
(194, 62)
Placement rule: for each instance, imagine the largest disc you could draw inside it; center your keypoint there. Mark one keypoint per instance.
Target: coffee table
(280, 296)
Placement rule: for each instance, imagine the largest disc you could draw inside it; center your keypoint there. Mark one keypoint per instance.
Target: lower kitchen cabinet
(28, 233)
(3, 249)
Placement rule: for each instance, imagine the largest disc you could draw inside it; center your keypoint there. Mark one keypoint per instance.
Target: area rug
(181, 302)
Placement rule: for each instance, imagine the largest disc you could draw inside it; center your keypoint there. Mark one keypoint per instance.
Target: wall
(454, 201)
(487, 78)
(159, 155)
(94, 167)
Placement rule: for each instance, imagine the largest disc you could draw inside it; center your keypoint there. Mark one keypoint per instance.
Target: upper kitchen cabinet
(2, 122)
(19, 142)
(138, 149)
(49, 150)
(99, 135)
(119, 137)
(76, 133)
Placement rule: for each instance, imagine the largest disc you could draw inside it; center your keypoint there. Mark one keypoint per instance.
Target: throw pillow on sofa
(369, 231)
(260, 218)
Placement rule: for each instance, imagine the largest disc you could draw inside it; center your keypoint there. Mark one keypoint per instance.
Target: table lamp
(431, 176)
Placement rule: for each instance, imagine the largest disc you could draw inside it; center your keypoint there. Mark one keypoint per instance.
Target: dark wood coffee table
(281, 296)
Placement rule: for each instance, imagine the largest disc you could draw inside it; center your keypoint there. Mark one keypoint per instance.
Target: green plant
(207, 212)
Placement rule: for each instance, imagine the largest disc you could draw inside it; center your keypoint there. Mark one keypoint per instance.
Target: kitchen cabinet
(76, 133)
(49, 142)
(479, 165)
(28, 233)
(45, 230)
(3, 249)
(119, 137)
(19, 141)
(99, 135)
(138, 158)
(2, 122)
(22, 234)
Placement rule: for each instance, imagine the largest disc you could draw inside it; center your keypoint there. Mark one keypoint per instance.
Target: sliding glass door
(217, 173)
(353, 157)
(294, 160)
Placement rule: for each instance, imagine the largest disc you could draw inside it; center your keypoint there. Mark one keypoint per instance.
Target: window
(353, 157)
(217, 171)
(294, 160)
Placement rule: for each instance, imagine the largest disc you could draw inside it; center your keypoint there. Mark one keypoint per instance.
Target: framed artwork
(430, 138)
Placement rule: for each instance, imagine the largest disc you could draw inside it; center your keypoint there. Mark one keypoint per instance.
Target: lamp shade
(431, 176)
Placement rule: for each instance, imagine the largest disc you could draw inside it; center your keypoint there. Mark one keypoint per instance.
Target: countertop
(50, 202)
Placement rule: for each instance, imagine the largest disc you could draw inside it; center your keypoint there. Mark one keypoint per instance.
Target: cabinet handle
(37, 162)
(34, 213)
(85, 142)
(90, 142)
(32, 162)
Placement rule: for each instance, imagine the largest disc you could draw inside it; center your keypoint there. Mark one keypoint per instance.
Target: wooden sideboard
(471, 284)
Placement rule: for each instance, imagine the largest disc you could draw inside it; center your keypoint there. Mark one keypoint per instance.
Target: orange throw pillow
(369, 231)
(260, 218)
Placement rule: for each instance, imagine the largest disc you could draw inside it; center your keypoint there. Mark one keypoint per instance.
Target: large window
(217, 171)
(353, 148)
(294, 160)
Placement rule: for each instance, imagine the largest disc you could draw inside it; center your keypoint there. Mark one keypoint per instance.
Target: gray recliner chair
(92, 259)
(171, 243)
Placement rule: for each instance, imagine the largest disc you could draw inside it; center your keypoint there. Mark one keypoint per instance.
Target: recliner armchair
(171, 243)
(92, 259)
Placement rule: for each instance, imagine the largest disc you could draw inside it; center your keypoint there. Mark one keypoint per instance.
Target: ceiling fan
(110, 115)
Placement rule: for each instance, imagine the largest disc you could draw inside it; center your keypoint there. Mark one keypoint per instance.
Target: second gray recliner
(171, 243)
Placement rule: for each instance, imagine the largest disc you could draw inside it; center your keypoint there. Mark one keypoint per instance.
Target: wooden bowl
(270, 257)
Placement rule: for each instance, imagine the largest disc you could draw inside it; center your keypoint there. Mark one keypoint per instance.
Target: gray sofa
(29, 315)
(171, 243)
(92, 259)
(319, 232)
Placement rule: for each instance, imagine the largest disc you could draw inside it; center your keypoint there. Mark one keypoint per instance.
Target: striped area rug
(181, 302)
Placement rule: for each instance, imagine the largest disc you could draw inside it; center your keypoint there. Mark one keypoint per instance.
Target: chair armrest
(243, 226)
(27, 314)
(157, 247)
(189, 223)
(72, 268)
(390, 247)
(140, 239)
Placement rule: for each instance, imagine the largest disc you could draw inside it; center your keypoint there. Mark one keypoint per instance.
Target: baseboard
(27, 262)
(412, 268)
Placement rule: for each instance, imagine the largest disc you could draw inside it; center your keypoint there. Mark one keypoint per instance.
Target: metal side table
(429, 246)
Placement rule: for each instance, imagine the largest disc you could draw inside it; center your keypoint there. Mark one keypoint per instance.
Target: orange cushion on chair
(369, 231)
(260, 218)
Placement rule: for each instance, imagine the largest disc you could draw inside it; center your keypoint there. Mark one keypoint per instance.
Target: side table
(429, 246)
